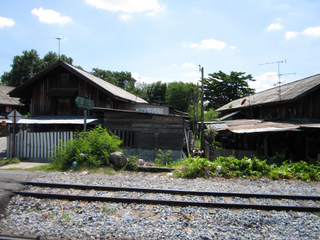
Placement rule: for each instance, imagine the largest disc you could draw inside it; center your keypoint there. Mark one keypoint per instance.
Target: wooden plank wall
(151, 131)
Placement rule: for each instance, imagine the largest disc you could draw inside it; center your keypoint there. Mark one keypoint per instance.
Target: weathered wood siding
(42, 104)
(150, 131)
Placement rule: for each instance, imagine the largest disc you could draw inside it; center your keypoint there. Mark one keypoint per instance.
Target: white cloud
(125, 17)
(232, 47)
(142, 79)
(291, 34)
(264, 81)
(6, 22)
(312, 31)
(129, 6)
(209, 44)
(50, 16)
(189, 65)
(274, 26)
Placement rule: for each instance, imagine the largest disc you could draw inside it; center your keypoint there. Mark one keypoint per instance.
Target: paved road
(8, 181)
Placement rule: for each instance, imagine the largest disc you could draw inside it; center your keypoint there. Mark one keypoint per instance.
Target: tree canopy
(179, 95)
(221, 88)
(28, 65)
(121, 79)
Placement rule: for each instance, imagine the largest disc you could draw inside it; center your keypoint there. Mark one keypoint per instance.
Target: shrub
(87, 149)
(163, 159)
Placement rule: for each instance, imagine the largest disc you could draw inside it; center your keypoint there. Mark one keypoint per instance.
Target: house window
(65, 79)
(128, 137)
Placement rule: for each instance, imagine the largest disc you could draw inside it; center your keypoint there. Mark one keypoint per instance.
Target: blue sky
(166, 40)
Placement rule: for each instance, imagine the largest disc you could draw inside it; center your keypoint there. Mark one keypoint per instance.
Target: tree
(120, 79)
(28, 65)
(156, 92)
(140, 89)
(221, 88)
(23, 68)
(51, 57)
(179, 95)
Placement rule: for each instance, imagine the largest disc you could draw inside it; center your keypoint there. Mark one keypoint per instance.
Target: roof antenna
(59, 39)
(279, 74)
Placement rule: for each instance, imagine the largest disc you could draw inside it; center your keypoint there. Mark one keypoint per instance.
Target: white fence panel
(36, 145)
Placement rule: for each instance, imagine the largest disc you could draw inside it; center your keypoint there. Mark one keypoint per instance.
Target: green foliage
(28, 62)
(90, 149)
(163, 159)
(121, 79)
(179, 95)
(247, 167)
(9, 161)
(230, 87)
(132, 163)
(210, 115)
(156, 92)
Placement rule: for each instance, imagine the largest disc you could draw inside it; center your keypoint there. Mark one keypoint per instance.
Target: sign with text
(84, 103)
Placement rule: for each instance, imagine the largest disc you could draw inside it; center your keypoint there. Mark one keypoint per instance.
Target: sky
(166, 40)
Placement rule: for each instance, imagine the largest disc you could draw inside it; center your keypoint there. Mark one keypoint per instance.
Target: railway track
(170, 197)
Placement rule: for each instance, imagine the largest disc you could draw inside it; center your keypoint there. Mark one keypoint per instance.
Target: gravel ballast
(72, 220)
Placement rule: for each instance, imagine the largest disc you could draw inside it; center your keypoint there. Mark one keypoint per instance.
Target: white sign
(14, 116)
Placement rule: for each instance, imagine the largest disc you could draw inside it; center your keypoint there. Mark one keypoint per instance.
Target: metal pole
(202, 127)
(14, 134)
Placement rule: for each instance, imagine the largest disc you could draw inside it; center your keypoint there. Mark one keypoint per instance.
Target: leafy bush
(163, 159)
(248, 167)
(87, 149)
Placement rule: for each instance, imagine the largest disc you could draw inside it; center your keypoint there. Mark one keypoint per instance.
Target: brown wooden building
(286, 120)
(143, 127)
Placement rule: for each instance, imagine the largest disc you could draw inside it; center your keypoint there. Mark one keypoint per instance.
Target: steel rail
(166, 202)
(171, 191)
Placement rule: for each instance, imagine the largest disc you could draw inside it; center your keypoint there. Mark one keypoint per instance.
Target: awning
(58, 120)
(62, 92)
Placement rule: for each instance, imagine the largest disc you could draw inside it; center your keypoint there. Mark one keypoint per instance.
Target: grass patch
(9, 161)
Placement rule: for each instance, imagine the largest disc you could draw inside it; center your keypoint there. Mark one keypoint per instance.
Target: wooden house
(143, 127)
(286, 120)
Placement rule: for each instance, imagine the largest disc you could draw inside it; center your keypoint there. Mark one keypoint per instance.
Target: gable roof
(102, 85)
(284, 93)
(5, 99)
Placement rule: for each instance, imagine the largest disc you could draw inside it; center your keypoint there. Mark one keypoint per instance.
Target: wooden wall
(150, 131)
(42, 104)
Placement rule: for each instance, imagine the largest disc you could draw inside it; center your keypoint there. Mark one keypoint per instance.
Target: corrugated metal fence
(36, 144)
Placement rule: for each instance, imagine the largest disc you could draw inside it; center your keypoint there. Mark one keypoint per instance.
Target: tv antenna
(279, 74)
(59, 39)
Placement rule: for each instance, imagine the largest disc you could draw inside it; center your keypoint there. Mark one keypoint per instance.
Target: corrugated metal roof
(286, 92)
(255, 126)
(5, 99)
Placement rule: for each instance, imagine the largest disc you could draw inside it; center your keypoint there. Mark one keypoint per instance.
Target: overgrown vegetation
(88, 149)
(248, 167)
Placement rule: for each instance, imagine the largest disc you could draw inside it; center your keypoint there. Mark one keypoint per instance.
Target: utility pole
(201, 125)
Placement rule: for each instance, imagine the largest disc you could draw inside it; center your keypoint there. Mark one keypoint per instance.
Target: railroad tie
(292, 213)
(84, 203)
(38, 189)
(211, 210)
(263, 212)
(304, 204)
(149, 207)
(229, 201)
(176, 209)
(108, 194)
